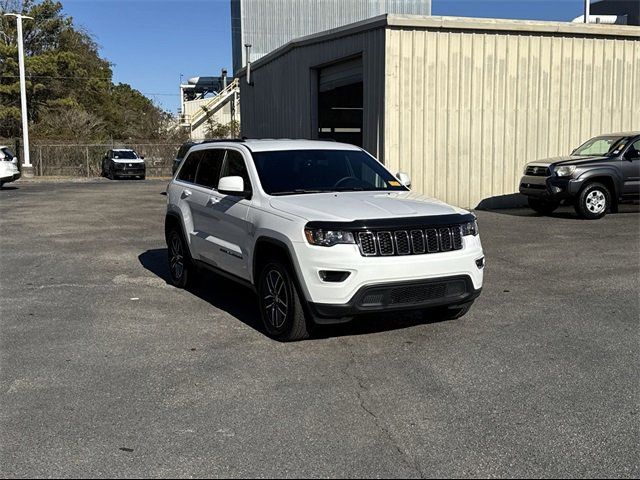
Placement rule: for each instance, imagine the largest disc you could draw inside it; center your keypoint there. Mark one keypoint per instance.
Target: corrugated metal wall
(269, 24)
(465, 110)
(282, 101)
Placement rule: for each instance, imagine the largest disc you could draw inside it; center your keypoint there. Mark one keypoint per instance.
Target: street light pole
(23, 89)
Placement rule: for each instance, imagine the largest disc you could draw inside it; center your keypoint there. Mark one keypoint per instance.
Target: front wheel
(593, 202)
(543, 207)
(281, 307)
(180, 266)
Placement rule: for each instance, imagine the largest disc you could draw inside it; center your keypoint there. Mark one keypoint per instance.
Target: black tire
(281, 307)
(593, 202)
(111, 175)
(143, 177)
(181, 268)
(448, 313)
(543, 207)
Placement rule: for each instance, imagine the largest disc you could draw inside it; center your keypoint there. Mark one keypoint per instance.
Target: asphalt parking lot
(108, 371)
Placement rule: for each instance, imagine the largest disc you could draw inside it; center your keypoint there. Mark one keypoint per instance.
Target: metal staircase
(230, 93)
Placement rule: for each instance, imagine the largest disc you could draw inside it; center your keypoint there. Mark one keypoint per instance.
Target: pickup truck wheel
(593, 202)
(180, 266)
(544, 207)
(281, 308)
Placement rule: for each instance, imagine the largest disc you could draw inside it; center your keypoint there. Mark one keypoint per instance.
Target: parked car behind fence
(85, 160)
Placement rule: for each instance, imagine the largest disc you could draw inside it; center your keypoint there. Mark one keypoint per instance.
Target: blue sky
(152, 42)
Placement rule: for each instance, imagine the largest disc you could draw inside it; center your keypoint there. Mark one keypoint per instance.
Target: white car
(9, 171)
(123, 163)
(322, 232)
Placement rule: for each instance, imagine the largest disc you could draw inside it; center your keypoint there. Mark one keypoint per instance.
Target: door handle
(213, 200)
(186, 193)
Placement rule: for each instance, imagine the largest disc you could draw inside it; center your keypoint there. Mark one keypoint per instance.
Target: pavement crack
(360, 390)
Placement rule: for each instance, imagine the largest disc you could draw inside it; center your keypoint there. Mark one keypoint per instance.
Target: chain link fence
(85, 160)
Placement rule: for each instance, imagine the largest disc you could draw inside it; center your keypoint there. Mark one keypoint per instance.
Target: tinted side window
(235, 166)
(634, 150)
(190, 167)
(209, 169)
(182, 151)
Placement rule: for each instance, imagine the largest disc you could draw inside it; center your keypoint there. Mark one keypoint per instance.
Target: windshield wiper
(298, 191)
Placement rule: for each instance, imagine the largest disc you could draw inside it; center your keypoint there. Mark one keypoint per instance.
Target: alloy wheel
(596, 201)
(176, 259)
(276, 301)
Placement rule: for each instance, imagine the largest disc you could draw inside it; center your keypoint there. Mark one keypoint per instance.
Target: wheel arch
(606, 177)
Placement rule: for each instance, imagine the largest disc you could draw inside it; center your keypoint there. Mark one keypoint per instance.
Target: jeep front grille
(410, 242)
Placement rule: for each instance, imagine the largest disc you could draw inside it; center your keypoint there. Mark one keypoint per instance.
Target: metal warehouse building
(461, 104)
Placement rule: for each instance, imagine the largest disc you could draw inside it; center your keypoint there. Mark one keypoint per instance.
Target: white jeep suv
(321, 231)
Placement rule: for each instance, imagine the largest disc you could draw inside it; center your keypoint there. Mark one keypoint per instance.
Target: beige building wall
(469, 102)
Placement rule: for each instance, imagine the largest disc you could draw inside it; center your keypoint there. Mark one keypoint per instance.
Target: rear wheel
(281, 307)
(543, 207)
(180, 266)
(593, 202)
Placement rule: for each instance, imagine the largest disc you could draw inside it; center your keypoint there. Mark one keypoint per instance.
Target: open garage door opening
(340, 102)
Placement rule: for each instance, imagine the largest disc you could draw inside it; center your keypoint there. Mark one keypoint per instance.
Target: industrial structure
(208, 101)
(621, 12)
(267, 25)
(460, 103)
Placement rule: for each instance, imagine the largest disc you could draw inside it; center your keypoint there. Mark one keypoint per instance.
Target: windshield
(601, 147)
(313, 171)
(125, 154)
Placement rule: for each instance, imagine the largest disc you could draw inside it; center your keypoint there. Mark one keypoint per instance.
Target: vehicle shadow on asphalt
(566, 212)
(9, 188)
(241, 303)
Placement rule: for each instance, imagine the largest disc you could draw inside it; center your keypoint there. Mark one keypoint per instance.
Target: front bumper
(370, 271)
(398, 296)
(552, 188)
(10, 177)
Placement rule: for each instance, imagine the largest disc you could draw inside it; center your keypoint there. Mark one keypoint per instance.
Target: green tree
(66, 78)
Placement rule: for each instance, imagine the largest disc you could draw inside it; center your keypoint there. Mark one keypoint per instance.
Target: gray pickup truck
(595, 178)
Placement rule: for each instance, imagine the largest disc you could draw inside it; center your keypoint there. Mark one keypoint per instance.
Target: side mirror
(141, 157)
(404, 178)
(233, 186)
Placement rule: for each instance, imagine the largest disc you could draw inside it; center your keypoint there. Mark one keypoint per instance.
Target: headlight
(328, 238)
(565, 171)
(470, 228)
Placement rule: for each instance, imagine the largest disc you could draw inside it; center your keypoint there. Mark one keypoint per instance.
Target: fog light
(333, 276)
(556, 189)
(480, 262)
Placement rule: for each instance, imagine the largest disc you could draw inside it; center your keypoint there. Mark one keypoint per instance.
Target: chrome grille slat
(446, 243)
(433, 244)
(403, 246)
(385, 243)
(417, 242)
(367, 244)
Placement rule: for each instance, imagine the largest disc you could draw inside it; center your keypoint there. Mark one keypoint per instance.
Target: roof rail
(217, 140)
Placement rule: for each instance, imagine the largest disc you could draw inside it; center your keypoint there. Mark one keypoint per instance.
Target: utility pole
(23, 89)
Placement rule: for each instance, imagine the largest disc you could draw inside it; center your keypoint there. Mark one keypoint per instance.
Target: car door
(202, 201)
(631, 170)
(231, 212)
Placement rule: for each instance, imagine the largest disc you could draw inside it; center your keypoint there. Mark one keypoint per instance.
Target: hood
(351, 206)
(127, 160)
(567, 160)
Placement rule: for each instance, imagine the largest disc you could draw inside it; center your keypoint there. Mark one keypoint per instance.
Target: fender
(610, 172)
(171, 212)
